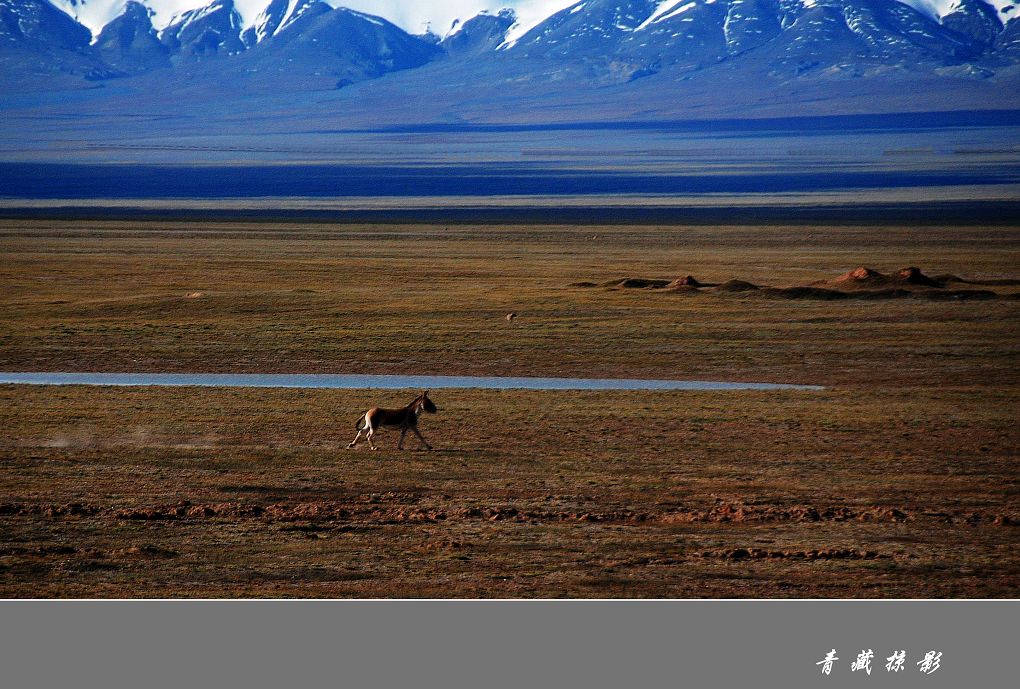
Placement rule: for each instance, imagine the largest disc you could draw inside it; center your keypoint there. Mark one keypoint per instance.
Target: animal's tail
(357, 424)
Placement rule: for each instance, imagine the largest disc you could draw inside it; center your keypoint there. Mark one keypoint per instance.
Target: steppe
(899, 479)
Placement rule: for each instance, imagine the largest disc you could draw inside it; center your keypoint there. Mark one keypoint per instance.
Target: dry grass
(425, 299)
(898, 480)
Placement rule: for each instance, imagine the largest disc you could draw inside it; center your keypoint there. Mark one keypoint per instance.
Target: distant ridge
(590, 43)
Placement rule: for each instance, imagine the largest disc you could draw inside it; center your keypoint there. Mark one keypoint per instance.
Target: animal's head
(427, 404)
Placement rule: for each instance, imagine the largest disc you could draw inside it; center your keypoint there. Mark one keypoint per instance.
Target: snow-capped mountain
(285, 37)
(204, 32)
(479, 34)
(339, 44)
(39, 22)
(129, 43)
(937, 9)
(37, 40)
(414, 17)
(594, 42)
(634, 38)
(440, 14)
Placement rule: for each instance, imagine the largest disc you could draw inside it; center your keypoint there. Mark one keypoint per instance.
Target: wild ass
(405, 418)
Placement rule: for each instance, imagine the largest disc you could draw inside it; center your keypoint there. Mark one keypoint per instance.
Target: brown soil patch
(824, 554)
(387, 513)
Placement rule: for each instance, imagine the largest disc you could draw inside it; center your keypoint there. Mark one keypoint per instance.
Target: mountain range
(598, 41)
(632, 59)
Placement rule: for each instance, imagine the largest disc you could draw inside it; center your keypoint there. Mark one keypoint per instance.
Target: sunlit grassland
(907, 459)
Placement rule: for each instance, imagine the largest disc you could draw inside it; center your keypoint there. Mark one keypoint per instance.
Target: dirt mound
(864, 278)
(804, 293)
(949, 279)
(858, 279)
(914, 276)
(683, 289)
(686, 281)
(861, 275)
(736, 286)
(827, 294)
(582, 284)
(637, 283)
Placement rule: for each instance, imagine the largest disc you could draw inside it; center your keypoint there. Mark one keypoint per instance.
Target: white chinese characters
(894, 663)
(863, 661)
(826, 664)
(931, 662)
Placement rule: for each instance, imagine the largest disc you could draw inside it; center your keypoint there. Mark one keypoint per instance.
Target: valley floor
(897, 480)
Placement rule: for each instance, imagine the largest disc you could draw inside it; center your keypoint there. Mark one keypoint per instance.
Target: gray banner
(503, 644)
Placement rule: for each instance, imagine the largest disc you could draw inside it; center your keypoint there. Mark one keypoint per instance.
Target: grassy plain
(900, 479)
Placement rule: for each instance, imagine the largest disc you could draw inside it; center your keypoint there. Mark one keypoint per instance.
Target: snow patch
(936, 9)
(674, 12)
(659, 10)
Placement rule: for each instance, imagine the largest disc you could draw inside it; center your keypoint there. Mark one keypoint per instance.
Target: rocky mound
(914, 276)
(948, 278)
(686, 281)
(736, 286)
(860, 276)
(683, 289)
(860, 283)
(637, 283)
(864, 278)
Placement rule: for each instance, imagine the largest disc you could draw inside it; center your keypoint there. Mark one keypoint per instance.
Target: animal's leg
(403, 432)
(421, 437)
(371, 432)
(356, 439)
